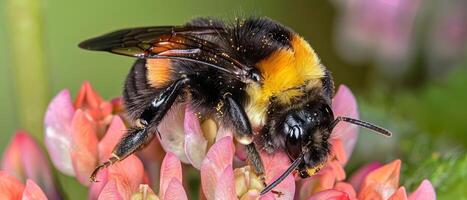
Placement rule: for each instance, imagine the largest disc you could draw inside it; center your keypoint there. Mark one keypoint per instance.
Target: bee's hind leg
(139, 136)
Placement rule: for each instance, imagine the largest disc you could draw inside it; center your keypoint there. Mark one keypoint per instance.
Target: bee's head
(304, 132)
(307, 130)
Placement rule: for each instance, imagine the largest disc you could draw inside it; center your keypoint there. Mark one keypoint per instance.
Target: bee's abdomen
(137, 91)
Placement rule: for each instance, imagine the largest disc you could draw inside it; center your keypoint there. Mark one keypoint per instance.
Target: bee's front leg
(243, 132)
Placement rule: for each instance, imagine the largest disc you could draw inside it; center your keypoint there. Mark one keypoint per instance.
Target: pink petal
(358, 176)
(33, 192)
(10, 187)
(113, 135)
(95, 188)
(224, 188)
(175, 191)
(24, 159)
(124, 178)
(347, 188)
(171, 169)
(115, 191)
(382, 182)
(330, 194)
(219, 156)
(58, 131)
(84, 152)
(400, 194)
(152, 156)
(172, 134)
(344, 104)
(275, 164)
(424, 192)
(195, 143)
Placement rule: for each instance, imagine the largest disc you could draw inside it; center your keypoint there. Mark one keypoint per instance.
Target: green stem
(24, 24)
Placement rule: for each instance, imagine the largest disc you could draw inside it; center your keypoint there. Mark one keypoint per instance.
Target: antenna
(364, 124)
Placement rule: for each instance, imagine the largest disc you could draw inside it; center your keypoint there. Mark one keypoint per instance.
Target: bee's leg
(244, 133)
(139, 136)
(255, 160)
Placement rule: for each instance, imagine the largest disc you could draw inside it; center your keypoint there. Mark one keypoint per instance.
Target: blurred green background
(405, 62)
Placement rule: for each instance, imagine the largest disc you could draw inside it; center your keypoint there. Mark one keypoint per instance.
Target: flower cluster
(81, 134)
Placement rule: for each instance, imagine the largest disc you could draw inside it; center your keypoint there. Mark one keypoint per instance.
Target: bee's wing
(173, 42)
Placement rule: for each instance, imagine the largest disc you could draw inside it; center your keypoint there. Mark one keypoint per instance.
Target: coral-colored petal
(130, 170)
(382, 182)
(275, 164)
(357, 178)
(57, 137)
(172, 133)
(84, 151)
(87, 97)
(400, 194)
(337, 169)
(11, 160)
(344, 104)
(171, 169)
(324, 180)
(225, 189)
(330, 194)
(219, 156)
(24, 159)
(195, 143)
(347, 188)
(424, 192)
(94, 106)
(338, 150)
(33, 192)
(114, 133)
(10, 187)
(175, 191)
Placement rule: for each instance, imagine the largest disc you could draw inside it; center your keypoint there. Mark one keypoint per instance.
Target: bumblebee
(254, 76)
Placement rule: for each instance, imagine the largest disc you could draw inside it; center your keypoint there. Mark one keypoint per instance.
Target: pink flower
(126, 179)
(379, 28)
(63, 117)
(11, 188)
(24, 159)
(183, 134)
(373, 181)
(220, 181)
